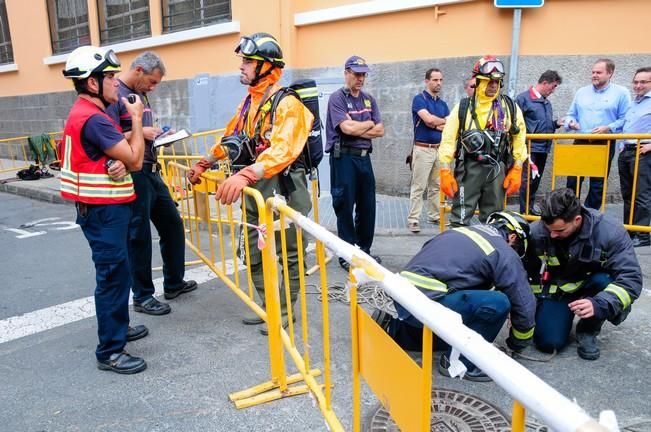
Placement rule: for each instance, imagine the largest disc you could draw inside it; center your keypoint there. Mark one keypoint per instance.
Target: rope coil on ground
(370, 293)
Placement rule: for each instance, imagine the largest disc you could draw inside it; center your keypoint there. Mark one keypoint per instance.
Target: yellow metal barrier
(215, 241)
(15, 154)
(403, 387)
(401, 384)
(578, 161)
(188, 150)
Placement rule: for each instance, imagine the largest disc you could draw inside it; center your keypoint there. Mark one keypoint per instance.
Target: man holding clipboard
(153, 200)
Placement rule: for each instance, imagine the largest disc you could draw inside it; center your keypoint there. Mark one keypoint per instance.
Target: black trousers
(540, 160)
(154, 203)
(642, 211)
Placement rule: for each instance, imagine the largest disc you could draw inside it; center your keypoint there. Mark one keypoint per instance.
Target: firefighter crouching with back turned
(582, 264)
(459, 268)
(485, 137)
(103, 193)
(267, 154)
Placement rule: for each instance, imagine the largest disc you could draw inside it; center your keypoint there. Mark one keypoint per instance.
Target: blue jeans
(481, 310)
(154, 202)
(106, 227)
(352, 186)
(554, 317)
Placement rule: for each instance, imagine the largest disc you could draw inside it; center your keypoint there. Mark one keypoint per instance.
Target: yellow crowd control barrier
(579, 161)
(188, 150)
(402, 385)
(15, 153)
(216, 240)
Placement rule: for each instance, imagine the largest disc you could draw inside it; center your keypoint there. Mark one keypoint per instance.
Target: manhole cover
(644, 426)
(452, 411)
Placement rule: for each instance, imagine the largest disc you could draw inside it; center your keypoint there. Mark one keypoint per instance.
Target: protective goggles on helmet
(247, 46)
(492, 68)
(110, 59)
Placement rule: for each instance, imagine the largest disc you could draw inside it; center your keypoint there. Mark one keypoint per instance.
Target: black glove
(516, 345)
(408, 161)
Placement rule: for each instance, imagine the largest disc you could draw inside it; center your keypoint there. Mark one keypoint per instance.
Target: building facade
(400, 39)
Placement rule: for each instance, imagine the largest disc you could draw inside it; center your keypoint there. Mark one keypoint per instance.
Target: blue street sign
(519, 3)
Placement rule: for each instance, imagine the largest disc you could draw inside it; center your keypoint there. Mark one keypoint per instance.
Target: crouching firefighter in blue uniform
(582, 264)
(458, 268)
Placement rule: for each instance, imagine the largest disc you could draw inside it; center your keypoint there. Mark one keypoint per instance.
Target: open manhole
(455, 411)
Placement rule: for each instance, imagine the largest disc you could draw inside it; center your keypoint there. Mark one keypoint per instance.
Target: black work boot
(586, 339)
(587, 347)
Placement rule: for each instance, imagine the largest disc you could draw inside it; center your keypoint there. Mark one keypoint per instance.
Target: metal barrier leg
(517, 421)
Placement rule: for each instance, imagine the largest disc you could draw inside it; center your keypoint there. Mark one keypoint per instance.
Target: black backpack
(306, 91)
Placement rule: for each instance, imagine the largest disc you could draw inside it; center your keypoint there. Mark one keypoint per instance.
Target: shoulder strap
(464, 103)
(510, 105)
(269, 108)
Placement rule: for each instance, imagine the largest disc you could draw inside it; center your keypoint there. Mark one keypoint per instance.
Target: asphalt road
(201, 352)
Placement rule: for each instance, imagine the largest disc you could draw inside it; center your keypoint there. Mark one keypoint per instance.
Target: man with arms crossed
(428, 112)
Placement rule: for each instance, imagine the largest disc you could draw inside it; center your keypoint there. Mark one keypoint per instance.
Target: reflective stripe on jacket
(600, 245)
(473, 258)
(83, 179)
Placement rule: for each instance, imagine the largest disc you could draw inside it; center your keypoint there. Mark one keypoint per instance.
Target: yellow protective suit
(284, 140)
(483, 109)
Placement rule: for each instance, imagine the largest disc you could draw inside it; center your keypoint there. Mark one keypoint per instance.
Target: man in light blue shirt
(598, 109)
(637, 120)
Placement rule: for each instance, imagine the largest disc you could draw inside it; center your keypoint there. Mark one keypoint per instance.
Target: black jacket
(600, 245)
(474, 258)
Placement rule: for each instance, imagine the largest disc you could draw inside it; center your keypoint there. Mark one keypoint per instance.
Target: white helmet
(86, 60)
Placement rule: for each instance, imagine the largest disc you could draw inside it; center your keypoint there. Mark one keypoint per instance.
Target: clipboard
(167, 139)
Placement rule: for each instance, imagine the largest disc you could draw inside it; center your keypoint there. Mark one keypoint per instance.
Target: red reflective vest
(83, 179)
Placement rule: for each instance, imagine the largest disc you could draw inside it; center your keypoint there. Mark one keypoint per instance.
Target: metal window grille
(68, 24)
(6, 51)
(123, 20)
(187, 14)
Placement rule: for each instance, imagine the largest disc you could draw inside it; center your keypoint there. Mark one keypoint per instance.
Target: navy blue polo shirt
(119, 113)
(360, 108)
(97, 135)
(435, 106)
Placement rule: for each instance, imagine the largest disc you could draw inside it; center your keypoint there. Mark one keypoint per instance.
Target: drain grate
(452, 411)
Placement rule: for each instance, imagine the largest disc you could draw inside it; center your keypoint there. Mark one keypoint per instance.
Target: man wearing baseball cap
(353, 121)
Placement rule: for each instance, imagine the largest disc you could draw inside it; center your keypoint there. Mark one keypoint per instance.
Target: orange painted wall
(561, 27)
(565, 27)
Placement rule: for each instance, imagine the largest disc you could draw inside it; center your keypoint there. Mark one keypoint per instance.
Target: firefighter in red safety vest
(265, 154)
(102, 192)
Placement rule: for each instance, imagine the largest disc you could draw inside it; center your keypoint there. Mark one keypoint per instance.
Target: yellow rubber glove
(448, 183)
(513, 180)
(229, 191)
